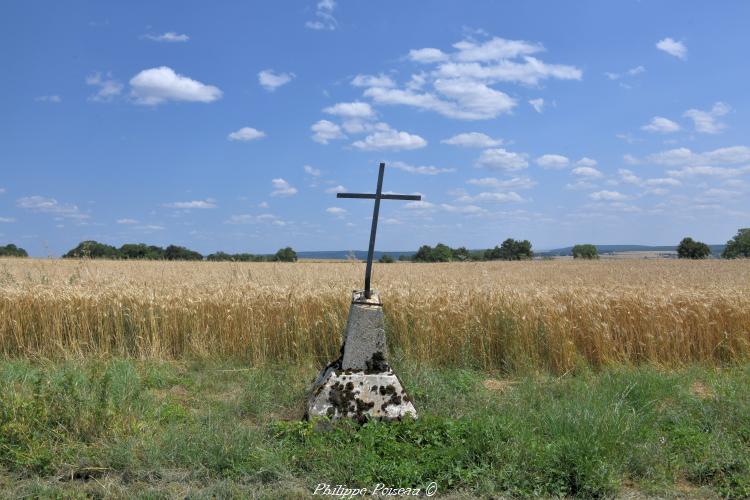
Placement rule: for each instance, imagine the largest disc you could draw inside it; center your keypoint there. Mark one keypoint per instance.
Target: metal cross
(377, 197)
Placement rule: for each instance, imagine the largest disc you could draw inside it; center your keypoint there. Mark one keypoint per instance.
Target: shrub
(510, 250)
(691, 249)
(93, 250)
(386, 259)
(174, 252)
(585, 251)
(286, 254)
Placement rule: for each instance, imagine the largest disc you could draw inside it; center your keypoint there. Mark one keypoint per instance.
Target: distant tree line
(91, 249)
(510, 249)
(10, 250)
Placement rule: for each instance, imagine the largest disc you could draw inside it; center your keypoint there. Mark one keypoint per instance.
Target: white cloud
(109, 88)
(351, 110)
(127, 221)
(466, 209)
(7, 220)
(423, 170)
(325, 131)
(282, 188)
(553, 161)
(684, 156)
(189, 205)
(336, 211)
(50, 205)
(157, 85)
(263, 204)
(427, 55)
(529, 72)
(419, 205)
(512, 183)
(336, 189)
(662, 182)
(390, 140)
(629, 177)
(586, 162)
(372, 81)
(151, 227)
(721, 172)
(537, 104)
(492, 197)
(502, 159)
(589, 172)
(473, 140)
(706, 121)
(459, 86)
(271, 81)
(324, 16)
(49, 98)
(255, 219)
(309, 170)
(631, 72)
(673, 48)
(246, 134)
(496, 49)
(467, 99)
(169, 36)
(661, 125)
(608, 196)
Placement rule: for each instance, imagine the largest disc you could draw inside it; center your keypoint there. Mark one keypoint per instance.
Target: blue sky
(231, 125)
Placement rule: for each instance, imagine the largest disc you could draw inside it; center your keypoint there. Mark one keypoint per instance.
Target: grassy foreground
(128, 428)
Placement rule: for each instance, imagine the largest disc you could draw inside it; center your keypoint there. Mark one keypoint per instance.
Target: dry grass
(517, 315)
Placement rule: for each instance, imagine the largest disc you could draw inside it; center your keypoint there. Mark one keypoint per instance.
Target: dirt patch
(495, 385)
(701, 390)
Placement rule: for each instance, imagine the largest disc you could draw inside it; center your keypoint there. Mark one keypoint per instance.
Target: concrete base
(360, 384)
(359, 396)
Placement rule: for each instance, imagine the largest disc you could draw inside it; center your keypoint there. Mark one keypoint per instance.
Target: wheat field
(541, 315)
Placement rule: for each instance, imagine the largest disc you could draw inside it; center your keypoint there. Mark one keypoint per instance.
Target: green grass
(125, 428)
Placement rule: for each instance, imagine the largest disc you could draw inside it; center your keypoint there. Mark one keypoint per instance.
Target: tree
(585, 251)
(442, 253)
(739, 246)
(461, 254)
(91, 249)
(493, 253)
(10, 250)
(286, 254)
(691, 249)
(511, 250)
(141, 251)
(386, 259)
(174, 252)
(424, 254)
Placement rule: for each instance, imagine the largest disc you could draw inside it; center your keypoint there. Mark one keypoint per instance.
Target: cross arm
(368, 196)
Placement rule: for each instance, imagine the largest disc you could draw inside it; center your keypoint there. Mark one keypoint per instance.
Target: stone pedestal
(360, 384)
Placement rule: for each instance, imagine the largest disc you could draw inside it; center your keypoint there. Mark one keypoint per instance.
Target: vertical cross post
(377, 196)
(373, 230)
